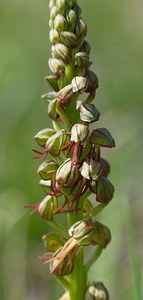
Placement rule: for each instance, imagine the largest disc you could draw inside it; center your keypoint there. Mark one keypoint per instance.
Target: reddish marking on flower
(35, 206)
(84, 184)
(64, 211)
(41, 154)
(71, 144)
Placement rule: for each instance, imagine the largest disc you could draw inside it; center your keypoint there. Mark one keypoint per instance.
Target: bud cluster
(61, 255)
(73, 167)
(97, 291)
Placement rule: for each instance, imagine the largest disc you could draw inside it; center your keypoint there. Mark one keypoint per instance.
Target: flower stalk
(72, 167)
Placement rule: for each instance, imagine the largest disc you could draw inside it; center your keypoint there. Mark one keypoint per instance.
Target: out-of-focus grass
(115, 35)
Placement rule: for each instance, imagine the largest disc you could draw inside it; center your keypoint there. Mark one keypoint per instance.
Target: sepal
(89, 113)
(66, 174)
(101, 235)
(53, 82)
(90, 169)
(79, 133)
(105, 190)
(79, 84)
(47, 206)
(102, 137)
(43, 135)
(69, 39)
(47, 169)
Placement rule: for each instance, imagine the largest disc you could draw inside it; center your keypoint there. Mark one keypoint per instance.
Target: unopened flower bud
(60, 51)
(46, 207)
(53, 12)
(65, 94)
(105, 190)
(100, 235)
(92, 81)
(82, 59)
(79, 229)
(47, 169)
(102, 137)
(69, 39)
(90, 169)
(105, 167)
(89, 113)
(64, 268)
(46, 185)
(55, 142)
(52, 109)
(79, 133)
(52, 241)
(65, 174)
(60, 23)
(71, 19)
(54, 36)
(61, 5)
(97, 291)
(56, 66)
(49, 96)
(81, 28)
(53, 82)
(52, 3)
(43, 135)
(79, 84)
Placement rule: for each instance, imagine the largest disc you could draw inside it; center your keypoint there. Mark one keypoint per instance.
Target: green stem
(64, 282)
(56, 125)
(60, 111)
(94, 258)
(79, 275)
(94, 211)
(78, 278)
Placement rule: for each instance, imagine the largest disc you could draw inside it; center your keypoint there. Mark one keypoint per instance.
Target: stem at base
(78, 278)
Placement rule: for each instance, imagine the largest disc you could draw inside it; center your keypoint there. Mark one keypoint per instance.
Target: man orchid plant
(72, 167)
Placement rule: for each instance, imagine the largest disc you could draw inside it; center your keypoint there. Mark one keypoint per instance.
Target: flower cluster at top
(73, 167)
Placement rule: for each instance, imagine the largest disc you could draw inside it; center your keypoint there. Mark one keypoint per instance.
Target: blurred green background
(115, 35)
